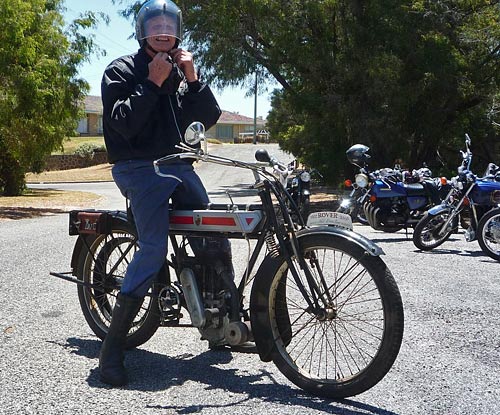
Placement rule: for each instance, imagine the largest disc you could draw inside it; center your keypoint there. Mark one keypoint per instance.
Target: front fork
(455, 211)
(287, 237)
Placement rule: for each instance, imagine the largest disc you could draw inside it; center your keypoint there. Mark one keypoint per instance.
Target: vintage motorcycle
(323, 305)
(469, 199)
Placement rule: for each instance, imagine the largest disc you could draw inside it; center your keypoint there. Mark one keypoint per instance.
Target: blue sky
(114, 39)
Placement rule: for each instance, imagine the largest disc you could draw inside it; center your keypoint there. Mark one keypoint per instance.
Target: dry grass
(99, 173)
(40, 202)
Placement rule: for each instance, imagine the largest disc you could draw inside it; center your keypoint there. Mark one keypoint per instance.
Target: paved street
(449, 362)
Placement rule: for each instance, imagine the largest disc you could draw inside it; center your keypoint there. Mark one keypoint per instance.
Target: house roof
(93, 104)
(228, 117)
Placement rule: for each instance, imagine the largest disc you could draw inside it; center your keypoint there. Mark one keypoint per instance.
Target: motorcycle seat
(432, 189)
(414, 189)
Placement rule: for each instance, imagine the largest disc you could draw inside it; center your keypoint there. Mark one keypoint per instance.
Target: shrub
(86, 150)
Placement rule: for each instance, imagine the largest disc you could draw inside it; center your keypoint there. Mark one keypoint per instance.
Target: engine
(211, 296)
(387, 213)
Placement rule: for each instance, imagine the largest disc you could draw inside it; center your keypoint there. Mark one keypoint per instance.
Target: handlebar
(258, 167)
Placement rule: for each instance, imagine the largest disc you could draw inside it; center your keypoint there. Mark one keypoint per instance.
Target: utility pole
(255, 111)
(255, 97)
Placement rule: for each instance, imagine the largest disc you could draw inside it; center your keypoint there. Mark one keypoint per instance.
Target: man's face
(160, 33)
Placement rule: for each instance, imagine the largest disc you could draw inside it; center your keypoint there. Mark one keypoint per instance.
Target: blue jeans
(149, 196)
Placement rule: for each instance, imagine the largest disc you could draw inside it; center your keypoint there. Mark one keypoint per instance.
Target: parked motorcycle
(353, 203)
(488, 233)
(469, 196)
(389, 203)
(323, 305)
(298, 185)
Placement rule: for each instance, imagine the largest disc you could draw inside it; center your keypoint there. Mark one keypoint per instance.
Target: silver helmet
(157, 18)
(358, 155)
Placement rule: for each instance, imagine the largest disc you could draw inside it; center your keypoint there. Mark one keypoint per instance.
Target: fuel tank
(204, 220)
(486, 192)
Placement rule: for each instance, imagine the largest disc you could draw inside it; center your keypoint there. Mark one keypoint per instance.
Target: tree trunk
(12, 182)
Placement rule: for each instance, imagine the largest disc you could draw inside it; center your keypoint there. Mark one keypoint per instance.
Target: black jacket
(143, 121)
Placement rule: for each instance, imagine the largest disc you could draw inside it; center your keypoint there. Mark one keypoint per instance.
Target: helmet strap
(148, 47)
(151, 49)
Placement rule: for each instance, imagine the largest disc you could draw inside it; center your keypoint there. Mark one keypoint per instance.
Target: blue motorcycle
(488, 233)
(469, 199)
(396, 199)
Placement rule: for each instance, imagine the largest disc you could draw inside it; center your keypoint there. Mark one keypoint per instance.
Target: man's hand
(159, 68)
(184, 61)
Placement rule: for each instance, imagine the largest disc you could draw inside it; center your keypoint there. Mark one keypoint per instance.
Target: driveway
(449, 362)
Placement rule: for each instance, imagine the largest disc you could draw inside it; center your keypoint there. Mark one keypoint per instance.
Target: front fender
(259, 297)
(438, 209)
(370, 247)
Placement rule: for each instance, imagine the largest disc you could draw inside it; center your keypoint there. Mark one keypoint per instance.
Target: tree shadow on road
(150, 371)
(15, 213)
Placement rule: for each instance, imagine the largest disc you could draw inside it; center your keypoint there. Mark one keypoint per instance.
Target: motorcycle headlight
(305, 176)
(361, 180)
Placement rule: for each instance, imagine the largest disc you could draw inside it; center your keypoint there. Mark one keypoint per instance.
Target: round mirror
(194, 133)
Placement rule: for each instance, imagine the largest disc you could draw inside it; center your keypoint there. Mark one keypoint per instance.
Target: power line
(97, 32)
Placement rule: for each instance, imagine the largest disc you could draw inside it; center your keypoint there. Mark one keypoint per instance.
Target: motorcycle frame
(287, 241)
(456, 208)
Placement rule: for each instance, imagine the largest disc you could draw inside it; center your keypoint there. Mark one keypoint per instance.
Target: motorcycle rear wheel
(425, 234)
(488, 234)
(356, 341)
(104, 266)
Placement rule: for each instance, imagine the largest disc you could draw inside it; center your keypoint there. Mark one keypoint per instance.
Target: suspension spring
(272, 245)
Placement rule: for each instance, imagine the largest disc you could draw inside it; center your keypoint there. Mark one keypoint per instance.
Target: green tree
(406, 77)
(40, 92)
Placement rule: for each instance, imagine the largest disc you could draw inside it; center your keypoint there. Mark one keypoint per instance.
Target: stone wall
(74, 161)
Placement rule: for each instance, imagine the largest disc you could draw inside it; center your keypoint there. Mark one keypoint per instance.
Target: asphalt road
(449, 362)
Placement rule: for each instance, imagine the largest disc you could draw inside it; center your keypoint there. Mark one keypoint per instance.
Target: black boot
(111, 356)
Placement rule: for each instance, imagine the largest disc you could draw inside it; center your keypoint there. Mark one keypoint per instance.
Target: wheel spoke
(333, 345)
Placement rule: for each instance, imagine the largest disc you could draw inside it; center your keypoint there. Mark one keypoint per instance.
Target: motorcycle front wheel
(352, 342)
(488, 234)
(102, 268)
(426, 233)
(356, 213)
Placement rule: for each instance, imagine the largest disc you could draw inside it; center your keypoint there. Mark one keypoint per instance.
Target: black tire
(356, 344)
(107, 253)
(488, 233)
(425, 234)
(390, 229)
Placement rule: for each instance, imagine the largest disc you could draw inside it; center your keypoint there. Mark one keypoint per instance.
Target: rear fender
(259, 297)
(80, 244)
